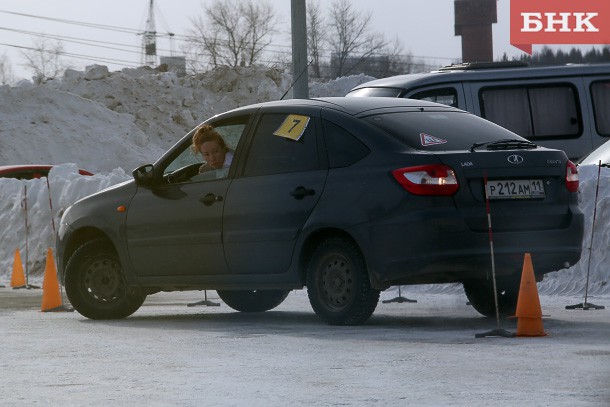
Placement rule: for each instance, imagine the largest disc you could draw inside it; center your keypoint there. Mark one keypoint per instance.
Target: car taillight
(433, 179)
(571, 177)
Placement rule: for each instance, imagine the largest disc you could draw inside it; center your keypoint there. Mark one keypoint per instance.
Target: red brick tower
(473, 20)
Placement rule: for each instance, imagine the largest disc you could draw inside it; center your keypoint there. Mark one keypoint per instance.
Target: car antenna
(295, 81)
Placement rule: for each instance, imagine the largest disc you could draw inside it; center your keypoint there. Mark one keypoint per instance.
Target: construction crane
(149, 38)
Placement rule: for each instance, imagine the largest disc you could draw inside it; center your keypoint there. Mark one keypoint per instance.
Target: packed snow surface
(111, 122)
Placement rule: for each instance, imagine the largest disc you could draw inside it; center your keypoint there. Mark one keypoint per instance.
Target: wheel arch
(313, 240)
(79, 237)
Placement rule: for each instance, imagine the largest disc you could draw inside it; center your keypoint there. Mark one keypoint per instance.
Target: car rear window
(439, 131)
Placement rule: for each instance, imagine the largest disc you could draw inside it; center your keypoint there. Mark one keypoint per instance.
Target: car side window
(282, 143)
(185, 167)
(445, 96)
(343, 148)
(600, 93)
(534, 112)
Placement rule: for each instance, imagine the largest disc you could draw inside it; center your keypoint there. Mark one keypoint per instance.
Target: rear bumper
(439, 247)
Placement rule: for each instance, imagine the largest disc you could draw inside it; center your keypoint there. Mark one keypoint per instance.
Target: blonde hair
(205, 133)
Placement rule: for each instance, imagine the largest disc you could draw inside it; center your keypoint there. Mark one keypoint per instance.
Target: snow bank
(66, 186)
(111, 122)
(595, 246)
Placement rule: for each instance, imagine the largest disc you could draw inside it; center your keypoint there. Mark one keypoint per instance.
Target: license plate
(515, 189)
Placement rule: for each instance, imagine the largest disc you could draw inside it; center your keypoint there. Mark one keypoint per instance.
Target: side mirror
(143, 175)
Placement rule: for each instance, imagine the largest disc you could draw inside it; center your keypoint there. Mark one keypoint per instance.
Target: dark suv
(347, 196)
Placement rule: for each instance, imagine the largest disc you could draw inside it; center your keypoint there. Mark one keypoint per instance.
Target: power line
(191, 38)
(81, 23)
(80, 56)
(76, 40)
(275, 48)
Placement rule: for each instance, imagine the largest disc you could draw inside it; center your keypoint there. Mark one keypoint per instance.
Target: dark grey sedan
(346, 196)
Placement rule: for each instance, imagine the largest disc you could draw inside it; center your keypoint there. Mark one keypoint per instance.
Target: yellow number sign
(293, 127)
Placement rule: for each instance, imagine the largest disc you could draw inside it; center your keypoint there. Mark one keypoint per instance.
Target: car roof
(353, 106)
(465, 75)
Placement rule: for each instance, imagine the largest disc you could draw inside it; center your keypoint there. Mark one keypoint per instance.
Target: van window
(600, 92)
(376, 92)
(446, 96)
(534, 112)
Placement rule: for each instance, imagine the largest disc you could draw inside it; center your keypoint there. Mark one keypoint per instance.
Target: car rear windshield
(439, 131)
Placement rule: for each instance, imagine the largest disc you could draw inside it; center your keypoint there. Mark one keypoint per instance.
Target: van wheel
(95, 284)
(253, 300)
(480, 294)
(338, 285)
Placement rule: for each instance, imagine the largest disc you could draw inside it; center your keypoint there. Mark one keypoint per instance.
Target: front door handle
(210, 199)
(301, 192)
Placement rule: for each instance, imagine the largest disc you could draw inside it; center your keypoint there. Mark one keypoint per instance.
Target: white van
(564, 107)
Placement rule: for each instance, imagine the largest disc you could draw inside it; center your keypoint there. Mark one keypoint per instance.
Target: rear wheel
(95, 284)
(481, 297)
(338, 285)
(253, 300)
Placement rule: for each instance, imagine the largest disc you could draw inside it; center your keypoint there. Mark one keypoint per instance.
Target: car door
(174, 228)
(282, 179)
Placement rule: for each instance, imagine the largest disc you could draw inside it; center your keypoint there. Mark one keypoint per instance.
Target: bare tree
(315, 36)
(6, 71)
(232, 32)
(44, 59)
(351, 39)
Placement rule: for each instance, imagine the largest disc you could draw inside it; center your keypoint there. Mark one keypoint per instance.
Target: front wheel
(338, 285)
(95, 284)
(481, 296)
(253, 300)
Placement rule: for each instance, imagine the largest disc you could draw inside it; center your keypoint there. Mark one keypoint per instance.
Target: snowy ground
(424, 354)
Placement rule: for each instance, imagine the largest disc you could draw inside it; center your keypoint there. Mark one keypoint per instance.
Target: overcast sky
(424, 27)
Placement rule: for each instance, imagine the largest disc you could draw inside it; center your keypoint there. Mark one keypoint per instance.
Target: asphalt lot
(421, 354)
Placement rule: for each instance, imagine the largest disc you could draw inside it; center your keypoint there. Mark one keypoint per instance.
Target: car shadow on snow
(437, 329)
(437, 318)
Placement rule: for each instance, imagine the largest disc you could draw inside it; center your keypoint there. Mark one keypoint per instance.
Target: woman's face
(213, 154)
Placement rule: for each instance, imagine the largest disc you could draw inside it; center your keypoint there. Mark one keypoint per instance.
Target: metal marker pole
(25, 206)
(498, 331)
(61, 290)
(599, 170)
(586, 306)
(51, 206)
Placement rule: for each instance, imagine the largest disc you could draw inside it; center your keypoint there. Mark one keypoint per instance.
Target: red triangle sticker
(428, 140)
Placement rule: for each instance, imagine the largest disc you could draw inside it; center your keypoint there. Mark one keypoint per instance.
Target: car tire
(481, 297)
(95, 284)
(338, 285)
(253, 300)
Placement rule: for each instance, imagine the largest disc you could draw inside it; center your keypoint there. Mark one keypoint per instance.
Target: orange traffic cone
(529, 312)
(18, 276)
(51, 297)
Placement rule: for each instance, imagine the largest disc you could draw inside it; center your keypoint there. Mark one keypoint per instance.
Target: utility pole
(299, 49)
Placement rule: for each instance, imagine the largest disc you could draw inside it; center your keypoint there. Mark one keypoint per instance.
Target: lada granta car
(344, 196)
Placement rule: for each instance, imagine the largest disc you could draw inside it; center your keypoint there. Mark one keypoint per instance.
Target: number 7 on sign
(293, 127)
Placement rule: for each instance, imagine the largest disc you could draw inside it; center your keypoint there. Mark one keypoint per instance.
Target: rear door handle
(210, 199)
(301, 192)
